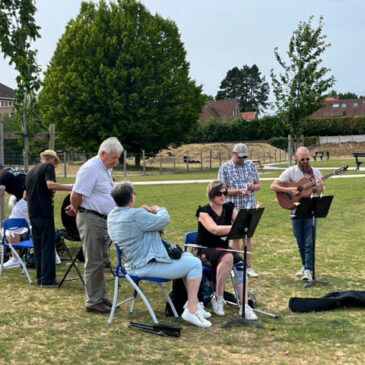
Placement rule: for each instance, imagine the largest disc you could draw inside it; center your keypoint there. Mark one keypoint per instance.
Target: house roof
(218, 109)
(6, 92)
(341, 108)
(249, 115)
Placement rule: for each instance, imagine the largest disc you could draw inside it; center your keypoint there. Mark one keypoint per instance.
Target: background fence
(167, 161)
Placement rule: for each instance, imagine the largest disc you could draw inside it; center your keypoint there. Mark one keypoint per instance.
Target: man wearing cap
(91, 199)
(242, 180)
(40, 185)
(12, 180)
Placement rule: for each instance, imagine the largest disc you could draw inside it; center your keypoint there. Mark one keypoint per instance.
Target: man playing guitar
(302, 228)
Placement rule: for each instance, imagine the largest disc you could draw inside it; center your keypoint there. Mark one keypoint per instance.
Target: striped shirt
(237, 177)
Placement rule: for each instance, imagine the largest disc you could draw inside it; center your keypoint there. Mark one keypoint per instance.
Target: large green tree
(246, 85)
(17, 31)
(118, 70)
(300, 88)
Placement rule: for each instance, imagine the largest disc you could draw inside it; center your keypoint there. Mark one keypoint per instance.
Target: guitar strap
(312, 174)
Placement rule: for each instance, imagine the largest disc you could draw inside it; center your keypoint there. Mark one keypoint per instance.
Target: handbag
(173, 250)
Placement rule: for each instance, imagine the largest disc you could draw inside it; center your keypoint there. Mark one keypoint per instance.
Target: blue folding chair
(121, 273)
(189, 238)
(13, 226)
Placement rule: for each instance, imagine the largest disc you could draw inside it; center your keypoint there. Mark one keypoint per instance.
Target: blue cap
(1, 165)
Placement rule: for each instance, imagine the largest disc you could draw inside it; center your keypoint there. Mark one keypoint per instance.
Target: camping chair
(189, 238)
(121, 273)
(15, 226)
(71, 233)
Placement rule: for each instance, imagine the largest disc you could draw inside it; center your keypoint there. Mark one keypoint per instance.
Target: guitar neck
(313, 183)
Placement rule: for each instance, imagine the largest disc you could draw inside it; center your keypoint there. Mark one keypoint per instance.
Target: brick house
(7, 98)
(249, 115)
(340, 108)
(220, 109)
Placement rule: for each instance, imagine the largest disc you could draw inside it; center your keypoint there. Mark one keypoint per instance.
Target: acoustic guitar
(305, 188)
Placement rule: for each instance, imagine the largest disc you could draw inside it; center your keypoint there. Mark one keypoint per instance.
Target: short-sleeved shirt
(237, 177)
(294, 174)
(94, 182)
(13, 179)
(204, 237)
(39, 197)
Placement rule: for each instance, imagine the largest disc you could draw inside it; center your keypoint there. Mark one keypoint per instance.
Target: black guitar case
(332, 300)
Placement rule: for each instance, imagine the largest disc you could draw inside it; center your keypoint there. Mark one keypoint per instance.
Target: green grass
(41, 326)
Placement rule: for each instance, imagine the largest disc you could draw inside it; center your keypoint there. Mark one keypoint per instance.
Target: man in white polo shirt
(92, 201)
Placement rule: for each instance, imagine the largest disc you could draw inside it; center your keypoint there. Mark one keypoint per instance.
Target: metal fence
(167, 161)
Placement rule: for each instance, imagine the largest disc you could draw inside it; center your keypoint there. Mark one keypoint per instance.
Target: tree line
(119, 70)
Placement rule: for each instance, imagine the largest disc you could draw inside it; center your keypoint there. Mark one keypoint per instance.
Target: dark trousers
(43, 232)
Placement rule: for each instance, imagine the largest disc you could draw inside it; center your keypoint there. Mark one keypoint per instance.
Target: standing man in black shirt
(40, 185)
(12, 180)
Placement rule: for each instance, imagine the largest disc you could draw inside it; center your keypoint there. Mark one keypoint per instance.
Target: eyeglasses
(243, 157)
(220, 193)
(304, 159)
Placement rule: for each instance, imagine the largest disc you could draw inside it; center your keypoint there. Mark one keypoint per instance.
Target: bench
(258, 164)
(320, 154)
(357, 155)
(190, 161)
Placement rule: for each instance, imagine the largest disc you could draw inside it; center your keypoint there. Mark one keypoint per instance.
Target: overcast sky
(221, 34)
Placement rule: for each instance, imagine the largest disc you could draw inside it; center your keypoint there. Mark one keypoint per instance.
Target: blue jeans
(302, 229)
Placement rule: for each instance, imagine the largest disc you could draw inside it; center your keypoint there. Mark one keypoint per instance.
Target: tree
(118, 70)
(247, 86)
(299, 90)
(17, 31)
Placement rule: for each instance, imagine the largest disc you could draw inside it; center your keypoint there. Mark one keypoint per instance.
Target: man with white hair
(91, 200)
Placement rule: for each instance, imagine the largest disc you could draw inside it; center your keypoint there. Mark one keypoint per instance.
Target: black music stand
(313, 207)
(244, 226)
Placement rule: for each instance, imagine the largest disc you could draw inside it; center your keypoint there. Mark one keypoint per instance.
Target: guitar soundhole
(300, 188)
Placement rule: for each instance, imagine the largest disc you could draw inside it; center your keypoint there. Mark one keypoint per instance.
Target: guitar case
(332, 300)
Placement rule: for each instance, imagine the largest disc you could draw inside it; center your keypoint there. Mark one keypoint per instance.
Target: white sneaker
(196, 319)
(249, 313)
(300, 273)
(12, 263)
(307, 276)
(201, 309)
(58, 260)
(252, 273)
(218, 306)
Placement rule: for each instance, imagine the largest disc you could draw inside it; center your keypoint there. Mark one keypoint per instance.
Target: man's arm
(52, 185)
(75, 199)
(279, 188)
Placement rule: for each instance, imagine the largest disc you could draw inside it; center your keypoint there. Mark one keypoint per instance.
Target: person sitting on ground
(137, 231)
(214, 223)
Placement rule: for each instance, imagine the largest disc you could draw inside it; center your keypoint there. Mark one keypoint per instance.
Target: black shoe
(54, 284)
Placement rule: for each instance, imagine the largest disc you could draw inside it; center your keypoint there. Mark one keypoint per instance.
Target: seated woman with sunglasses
(137, 231)
(214, 223)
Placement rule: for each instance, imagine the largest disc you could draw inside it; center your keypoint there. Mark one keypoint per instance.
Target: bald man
(302, 228)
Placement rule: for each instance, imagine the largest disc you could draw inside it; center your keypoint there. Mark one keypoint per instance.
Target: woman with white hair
(137, 231)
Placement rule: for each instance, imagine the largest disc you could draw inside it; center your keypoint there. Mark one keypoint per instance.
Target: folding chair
(189, 238)
(13, 226)
(71, 233)
(121, 273)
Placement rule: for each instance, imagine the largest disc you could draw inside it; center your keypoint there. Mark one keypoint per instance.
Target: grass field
(42, 326)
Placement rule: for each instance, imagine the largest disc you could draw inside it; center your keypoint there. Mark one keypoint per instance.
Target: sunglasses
(305, 159)
(220, 193)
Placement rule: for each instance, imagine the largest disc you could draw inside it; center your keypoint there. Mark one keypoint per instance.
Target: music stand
(244, 226)
(313, 207)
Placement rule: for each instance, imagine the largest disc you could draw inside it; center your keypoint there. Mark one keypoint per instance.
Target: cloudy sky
(221, 34)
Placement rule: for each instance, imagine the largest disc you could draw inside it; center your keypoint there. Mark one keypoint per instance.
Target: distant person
(137, 231)
(242, 180)
(12, 180)
(91, 200)
(40, 187)
(302, 228)
(214, 223)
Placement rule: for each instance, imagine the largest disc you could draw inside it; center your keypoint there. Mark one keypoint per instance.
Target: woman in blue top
(137, 232)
